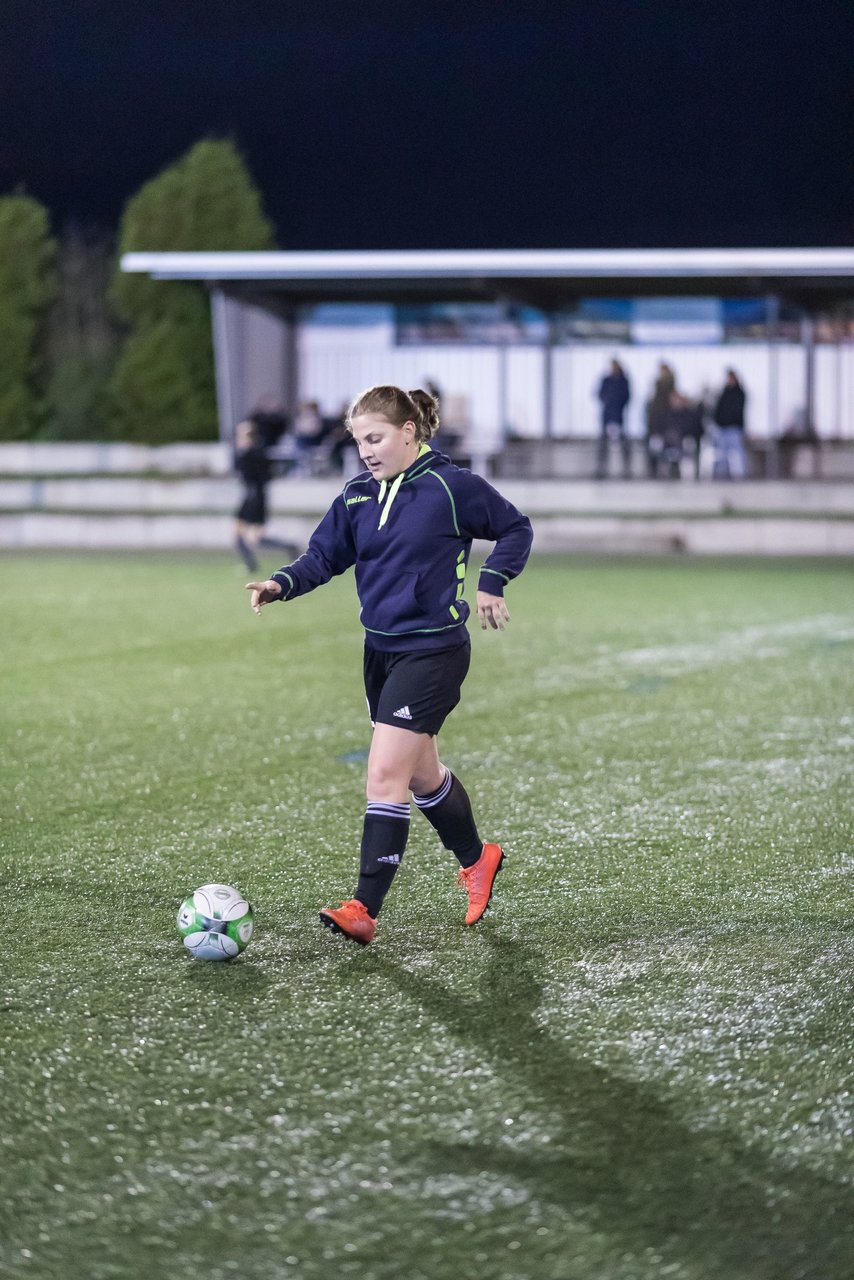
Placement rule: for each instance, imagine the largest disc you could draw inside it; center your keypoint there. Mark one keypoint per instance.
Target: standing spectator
(658, 417)
(730, 454)
(694, 430)
(679, 425)
(614, 393)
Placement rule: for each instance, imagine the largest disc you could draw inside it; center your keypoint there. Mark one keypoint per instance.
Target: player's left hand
(492, 611)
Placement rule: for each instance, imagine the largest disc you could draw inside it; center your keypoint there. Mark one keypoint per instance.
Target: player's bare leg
(393, 759)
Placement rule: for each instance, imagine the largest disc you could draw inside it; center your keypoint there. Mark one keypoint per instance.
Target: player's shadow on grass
(619, 1159)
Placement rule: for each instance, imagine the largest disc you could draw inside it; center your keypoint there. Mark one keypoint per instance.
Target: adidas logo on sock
(403, 713)
(392, 858)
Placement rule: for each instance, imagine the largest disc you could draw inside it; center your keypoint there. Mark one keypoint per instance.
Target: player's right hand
(263, 593)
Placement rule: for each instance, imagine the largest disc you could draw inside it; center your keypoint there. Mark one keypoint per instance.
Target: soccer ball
(215, 922)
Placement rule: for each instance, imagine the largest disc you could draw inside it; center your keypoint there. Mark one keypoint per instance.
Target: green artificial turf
(640, 1064)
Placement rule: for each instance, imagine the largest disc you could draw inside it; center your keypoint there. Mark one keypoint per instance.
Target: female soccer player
(407, 524)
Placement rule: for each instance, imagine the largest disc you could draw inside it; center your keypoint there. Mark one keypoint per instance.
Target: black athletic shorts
(253, 508)
(415, 691)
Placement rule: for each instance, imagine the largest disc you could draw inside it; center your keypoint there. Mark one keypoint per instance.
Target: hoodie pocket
(398, 607)
(413, 600)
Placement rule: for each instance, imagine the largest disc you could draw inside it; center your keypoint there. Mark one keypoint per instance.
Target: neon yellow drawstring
(395, 485)
(392, 494)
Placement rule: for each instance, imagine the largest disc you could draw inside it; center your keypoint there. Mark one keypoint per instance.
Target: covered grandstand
(517, 339)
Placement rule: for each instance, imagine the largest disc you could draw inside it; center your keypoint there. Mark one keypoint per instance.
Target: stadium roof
(547, 278)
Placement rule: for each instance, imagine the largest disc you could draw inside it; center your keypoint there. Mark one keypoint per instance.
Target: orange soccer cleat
(478, 880)
(352, 919)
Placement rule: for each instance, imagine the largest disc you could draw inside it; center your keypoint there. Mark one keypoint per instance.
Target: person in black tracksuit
(253, 467)
(407, 523)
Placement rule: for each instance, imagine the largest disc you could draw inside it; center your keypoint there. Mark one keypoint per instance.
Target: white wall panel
(338, 361)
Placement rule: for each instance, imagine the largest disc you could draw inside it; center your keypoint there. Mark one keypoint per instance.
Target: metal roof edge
(543, 263)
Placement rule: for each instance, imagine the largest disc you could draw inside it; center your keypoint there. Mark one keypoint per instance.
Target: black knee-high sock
(278, 544)
(448, 809)
(384, 839)
(245, 552)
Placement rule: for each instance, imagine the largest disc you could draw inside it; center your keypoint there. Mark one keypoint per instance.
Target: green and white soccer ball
(216, 922)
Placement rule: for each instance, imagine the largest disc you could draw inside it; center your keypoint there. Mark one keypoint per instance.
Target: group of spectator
(309, 444)
(675, 426)
(268, 443)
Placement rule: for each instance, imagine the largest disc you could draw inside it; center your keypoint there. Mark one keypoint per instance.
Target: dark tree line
(90, 353)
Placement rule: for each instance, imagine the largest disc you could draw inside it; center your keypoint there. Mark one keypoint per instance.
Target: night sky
(372, 124)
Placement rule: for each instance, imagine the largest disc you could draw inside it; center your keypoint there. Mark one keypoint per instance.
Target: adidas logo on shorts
(403, 713)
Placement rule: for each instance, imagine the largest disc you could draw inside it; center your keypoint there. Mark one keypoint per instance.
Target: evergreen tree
(163, 388)
(27, 285)
(82, 337)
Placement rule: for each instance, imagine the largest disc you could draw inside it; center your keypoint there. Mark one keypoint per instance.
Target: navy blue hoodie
(410, 542)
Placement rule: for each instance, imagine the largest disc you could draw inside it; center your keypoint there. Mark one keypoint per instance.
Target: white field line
(747, 644)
